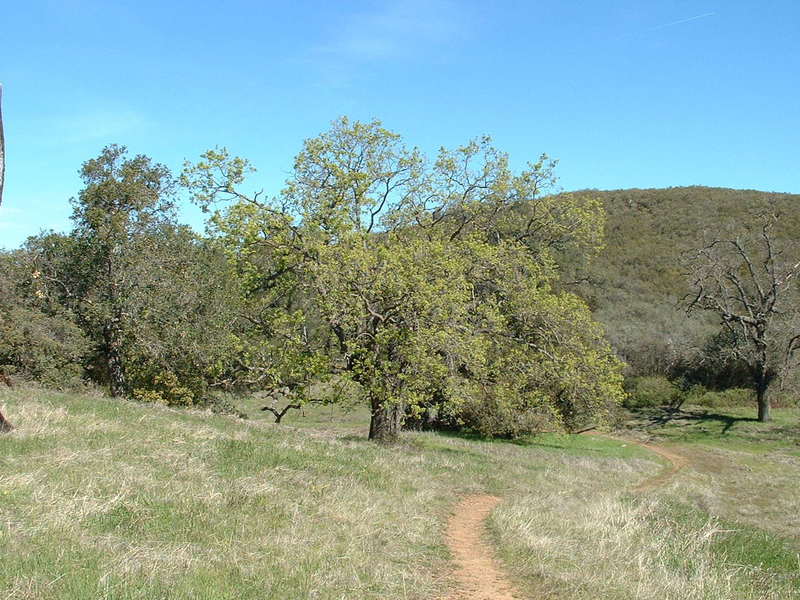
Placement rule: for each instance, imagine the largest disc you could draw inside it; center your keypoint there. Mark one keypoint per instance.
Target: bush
(490, 419)
(721, 399)
(38, 347)
(645, 392)
(165, 388)
(500, 412)
(221, 404)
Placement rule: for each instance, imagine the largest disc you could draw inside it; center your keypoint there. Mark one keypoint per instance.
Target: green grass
(103, 498)
(320, 416)
(730, 427)
(588, 445)
(741, 469)
(747, 546)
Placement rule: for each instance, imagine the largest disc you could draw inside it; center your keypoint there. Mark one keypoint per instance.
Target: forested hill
(636, 284)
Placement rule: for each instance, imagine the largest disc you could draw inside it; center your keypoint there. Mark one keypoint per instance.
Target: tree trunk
(116, 372)
(2, 148)
(5, 424)
(763, 404)
(762, 380)
(384, 425)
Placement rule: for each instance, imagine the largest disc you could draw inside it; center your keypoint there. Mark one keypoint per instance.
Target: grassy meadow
(104, 498)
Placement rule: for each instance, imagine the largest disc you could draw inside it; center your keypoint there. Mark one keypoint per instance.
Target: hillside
(635, 285)
(103, 498)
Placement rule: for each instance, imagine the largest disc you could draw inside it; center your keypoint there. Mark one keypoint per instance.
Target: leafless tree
(4, 424)
(750, 279)
(2, 148)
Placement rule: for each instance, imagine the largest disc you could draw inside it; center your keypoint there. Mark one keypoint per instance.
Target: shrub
(165, 388)
(498, 412)
(721, 399)
(644, 392)
(43, 348)
(492, 421)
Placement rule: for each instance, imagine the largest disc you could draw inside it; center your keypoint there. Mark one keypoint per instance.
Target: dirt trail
(677, 462)
(478, 574)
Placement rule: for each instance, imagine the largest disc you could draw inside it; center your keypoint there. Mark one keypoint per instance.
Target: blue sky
(624, 93)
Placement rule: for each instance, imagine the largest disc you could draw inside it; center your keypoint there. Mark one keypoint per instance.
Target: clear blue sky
(626, 93)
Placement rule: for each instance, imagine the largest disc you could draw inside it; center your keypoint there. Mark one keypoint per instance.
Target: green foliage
(153, 302)
(657, 391)
(734, 397)
(165, 388)
(118, 216)
(421, 282)
(418, 285)
(186, 305)
(38, 339)
(47, 349)
(651, 391)
(635, 285)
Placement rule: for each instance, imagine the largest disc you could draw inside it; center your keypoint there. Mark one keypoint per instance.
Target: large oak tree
(426, 278)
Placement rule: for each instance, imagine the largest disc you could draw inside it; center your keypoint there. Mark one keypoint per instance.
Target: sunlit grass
(727, 427)
(103, 498)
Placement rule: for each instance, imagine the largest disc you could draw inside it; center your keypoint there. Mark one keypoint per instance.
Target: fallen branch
(279, 414)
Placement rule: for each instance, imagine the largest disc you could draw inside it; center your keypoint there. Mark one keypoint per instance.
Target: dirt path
(478, 574)
(676, 463)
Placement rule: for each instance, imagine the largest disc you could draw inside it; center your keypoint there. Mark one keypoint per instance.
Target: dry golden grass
(110, 499)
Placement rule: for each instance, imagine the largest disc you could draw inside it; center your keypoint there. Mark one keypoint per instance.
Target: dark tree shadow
(665, 416)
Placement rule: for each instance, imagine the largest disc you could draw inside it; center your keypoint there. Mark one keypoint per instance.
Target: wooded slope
(636, 285)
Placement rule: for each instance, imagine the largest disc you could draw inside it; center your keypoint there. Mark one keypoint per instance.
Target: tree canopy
(427, 279)
(447, 290)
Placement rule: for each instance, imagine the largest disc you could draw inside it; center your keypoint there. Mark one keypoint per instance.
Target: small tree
(123, 200)
(750, 281)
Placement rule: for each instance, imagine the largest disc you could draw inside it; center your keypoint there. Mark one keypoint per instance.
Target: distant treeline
(445, 292)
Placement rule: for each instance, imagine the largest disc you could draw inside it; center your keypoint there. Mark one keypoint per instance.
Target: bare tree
(4, 424)
(750, 281)
(2, 148)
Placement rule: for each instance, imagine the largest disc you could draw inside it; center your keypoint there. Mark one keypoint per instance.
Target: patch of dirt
(477, 572)
(676, 463)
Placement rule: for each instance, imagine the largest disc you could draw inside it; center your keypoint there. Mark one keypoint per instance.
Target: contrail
(703, 16)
